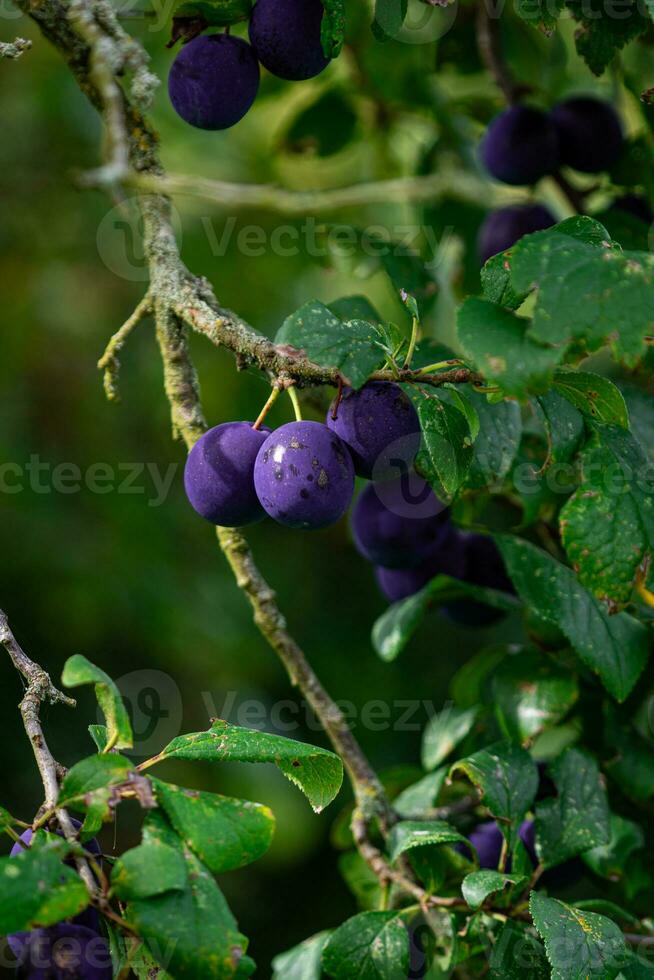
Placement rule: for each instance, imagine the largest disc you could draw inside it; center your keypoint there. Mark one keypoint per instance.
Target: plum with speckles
(213, 81)
(520, 146)
(285, 35)
(219, 474)
(398, 523)
(503, 228)
(380, 427)
(304, 476)
(447, 559)
(590, 133)
(63, 952)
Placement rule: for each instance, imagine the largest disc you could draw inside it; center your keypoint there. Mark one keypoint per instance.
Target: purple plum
(380, 427)
(590, 133)
(285, 35)
(483, 567)
(447, 559)
(399, 523)
(304, 476)
(213, 81)
(219, 474)
(63, 952)
(520, 146)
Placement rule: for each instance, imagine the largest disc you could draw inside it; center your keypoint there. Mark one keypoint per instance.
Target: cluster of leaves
(165, 887)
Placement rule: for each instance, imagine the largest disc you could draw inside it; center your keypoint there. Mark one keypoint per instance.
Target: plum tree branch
(41, 689)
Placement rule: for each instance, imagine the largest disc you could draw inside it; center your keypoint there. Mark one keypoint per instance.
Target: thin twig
(489, 44)
(109, 362)
(39, 689)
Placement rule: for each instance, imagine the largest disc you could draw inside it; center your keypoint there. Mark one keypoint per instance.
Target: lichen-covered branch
(14, 49)
(40, 689)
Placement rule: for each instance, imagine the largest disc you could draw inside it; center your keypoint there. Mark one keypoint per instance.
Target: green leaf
(495, 448)
(369, 946)
(499, 345)
(395, 627)
(152, 868)
(601, 34)
(579, 945)
(578, 817)
(640, 405)
(607, 526)
(303, 961)
(420, 796)
(507, 779)
(609, 860)
(593, 395)
(360, 879)
(479, 885)
(352, 346)
(317, 772)
(518, 955)
(444, 731)
(37, 889)
(322, 128)
(410, 834)
(332, 27)
(563, 424)
(446, 451)
(614, 647)
(607, 908)
(77, 671)
(99, 735)
(389, 18)
(589, 291)
(496, 282)
(530, 693)
(542, 14)
(224, 833)
(631, 761)
(95, 773)
(188, 928)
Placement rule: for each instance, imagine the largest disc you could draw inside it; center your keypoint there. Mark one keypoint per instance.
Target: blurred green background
(133, 578)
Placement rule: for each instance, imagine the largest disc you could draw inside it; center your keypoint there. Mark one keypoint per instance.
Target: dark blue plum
(634, 205)
(213, 81)
(487, 840)
(63, 952)
(304, 476)
(92, 845)
(590, 134)
(399, 523)
(219, 474)
(380, 427)
(520, 146)
(285, 35)
(483, 567)
(447, 559)
(503, 228)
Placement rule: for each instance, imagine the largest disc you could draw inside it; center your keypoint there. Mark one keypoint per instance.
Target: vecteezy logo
(120, 240)
(154, 704)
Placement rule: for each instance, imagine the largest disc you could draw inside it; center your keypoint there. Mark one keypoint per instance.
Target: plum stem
(272, 398)
(415, 327)
(295, 401)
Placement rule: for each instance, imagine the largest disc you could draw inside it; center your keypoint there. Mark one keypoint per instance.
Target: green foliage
(411, 834)
(577, 818)
(317, 772)
(507, 779)
(370, 946)
(580, 945)
(531, 693)
(446, 453)
(36, 889)
(443, 733)
(480, 885)
(78, 670)
(303, 962)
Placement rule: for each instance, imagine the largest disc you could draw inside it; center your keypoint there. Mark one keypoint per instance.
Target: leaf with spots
(332, 27)
(518, 954)
(317, 772)
(577, 818)
(224, 833)
(531, 692)
(588, 290)
(507, 779)
(496, 445)
(369, 946)
(580, 945)
(180, 912)
(351, 346)
(479, 885)
(607, 526)
(614, 647)
(499, 345)
(564, 426)
(446, 450)
(593, 395)
(37, 889)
